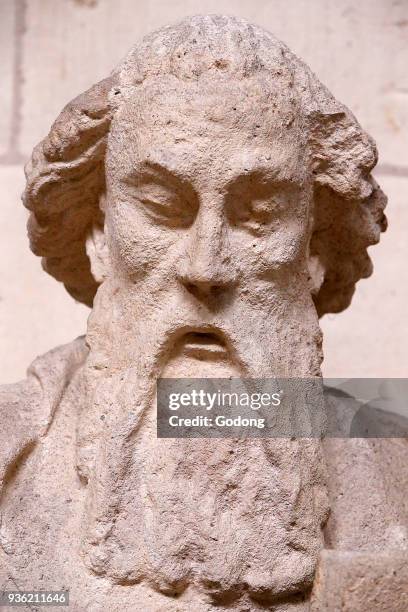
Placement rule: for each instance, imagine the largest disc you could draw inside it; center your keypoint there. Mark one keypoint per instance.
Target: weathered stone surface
(357, 582)
(210, 200)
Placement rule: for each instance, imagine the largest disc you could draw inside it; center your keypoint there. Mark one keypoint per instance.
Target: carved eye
(255, 205)
(255, 215)
(164, 205)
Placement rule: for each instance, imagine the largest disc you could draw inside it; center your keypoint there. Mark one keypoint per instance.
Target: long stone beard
(227, 516)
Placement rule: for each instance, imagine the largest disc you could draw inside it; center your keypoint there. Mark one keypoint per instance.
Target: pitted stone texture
(358, 582)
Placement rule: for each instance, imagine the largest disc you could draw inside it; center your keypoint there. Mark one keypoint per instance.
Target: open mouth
(203, 345)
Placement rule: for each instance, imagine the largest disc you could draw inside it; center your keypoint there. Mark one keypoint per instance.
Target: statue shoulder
(365, 461)
(28, 407)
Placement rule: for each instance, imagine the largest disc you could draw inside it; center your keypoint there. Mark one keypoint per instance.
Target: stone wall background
(52, 50)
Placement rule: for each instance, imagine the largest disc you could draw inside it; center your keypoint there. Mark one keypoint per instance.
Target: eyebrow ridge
(165, 171)
(263, 173)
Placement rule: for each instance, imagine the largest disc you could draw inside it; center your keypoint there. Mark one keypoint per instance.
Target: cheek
(137, 247)
(286, 246)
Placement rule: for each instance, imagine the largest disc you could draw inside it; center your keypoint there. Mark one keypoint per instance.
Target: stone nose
(206, 269)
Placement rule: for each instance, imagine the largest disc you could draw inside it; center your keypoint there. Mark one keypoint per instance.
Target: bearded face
(205, 272)
(208, 210)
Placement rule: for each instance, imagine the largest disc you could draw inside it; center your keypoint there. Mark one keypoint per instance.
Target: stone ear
(98, 253)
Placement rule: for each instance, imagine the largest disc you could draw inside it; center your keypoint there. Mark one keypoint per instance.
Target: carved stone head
(213, 174)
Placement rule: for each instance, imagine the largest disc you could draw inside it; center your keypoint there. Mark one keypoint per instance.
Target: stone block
(358, 582)
(7, 37)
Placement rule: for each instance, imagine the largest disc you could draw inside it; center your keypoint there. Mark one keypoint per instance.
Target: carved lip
(203, 344)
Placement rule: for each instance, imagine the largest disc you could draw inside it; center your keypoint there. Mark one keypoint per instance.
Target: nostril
(205, 290)
(191, 288)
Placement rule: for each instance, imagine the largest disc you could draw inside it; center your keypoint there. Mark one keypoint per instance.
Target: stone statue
(209, 201)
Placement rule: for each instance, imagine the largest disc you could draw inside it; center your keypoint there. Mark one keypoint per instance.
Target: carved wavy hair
(65, 175)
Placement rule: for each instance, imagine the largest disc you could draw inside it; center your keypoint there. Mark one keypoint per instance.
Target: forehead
(219, 125)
